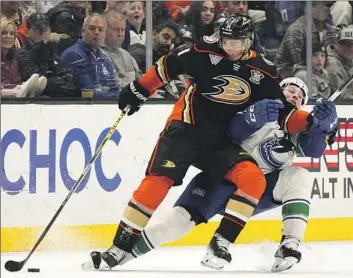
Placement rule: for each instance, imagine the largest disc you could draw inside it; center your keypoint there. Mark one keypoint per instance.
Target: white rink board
(38, 126)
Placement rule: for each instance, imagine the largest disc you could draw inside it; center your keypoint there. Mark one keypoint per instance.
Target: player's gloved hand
(324, 115)
(262, 112)
(133, 95)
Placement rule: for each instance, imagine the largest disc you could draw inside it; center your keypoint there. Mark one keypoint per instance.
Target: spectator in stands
(279, 16)
(292, 46)
(320, 79)
(242, 7)
(160, 13)
(10, 10)
(135, 14)
(38, 56)
(66, 18)
(9, 69)
(200, 18)
(119, 6)
(92, 69)
(45, 6)
(178, 9)
(10, 79)
(164, 37)
(125, 65)
(341, 12)
(340, 62)
(26, 13)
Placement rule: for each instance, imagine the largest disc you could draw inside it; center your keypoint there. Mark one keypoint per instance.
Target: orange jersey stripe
(253, 54)
(183, 108)
(177, 113)
(192, 107)
(296, 122)
(208, 51)
(151, 80)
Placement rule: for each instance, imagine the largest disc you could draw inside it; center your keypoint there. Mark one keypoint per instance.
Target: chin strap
(246, 52)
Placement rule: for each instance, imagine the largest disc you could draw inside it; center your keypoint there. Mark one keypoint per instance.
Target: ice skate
(287, 254)
(94, 263)
(115, 256)
(217, 255)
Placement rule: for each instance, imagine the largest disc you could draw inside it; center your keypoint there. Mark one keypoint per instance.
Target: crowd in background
(63, 49)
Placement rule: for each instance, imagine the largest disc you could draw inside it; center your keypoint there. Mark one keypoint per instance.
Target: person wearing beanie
(293, 44)
(340, 62)
(320, 84)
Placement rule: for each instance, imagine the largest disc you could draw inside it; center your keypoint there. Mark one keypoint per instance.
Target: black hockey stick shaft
(337, 93)
(16, 266)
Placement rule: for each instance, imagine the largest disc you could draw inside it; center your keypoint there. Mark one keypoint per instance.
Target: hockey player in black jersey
(225, 77)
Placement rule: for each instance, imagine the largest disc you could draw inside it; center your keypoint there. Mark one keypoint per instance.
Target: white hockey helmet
(298, 83)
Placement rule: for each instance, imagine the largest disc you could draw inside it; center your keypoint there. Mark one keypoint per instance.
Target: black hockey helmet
(237, 26)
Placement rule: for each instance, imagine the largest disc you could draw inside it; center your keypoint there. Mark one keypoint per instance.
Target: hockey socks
(133, 221)
(142, 246)
(177, 223)
(144, 202)
(295, 214)
(251, 183)
(238, 211)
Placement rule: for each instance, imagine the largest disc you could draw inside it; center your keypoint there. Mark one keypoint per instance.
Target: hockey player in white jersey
(273, 145)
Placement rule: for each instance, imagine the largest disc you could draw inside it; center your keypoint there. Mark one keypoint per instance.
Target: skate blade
(213, 262)
(88, 266)
(283, 264)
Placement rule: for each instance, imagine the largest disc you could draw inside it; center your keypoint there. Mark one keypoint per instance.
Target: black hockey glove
(133, 95)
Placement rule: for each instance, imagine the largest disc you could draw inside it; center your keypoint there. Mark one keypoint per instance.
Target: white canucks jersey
(271, 147)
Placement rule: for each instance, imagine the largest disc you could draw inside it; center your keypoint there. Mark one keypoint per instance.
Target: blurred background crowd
(70, 49)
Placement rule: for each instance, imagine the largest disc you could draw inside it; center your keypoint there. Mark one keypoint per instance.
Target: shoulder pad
(264, 65)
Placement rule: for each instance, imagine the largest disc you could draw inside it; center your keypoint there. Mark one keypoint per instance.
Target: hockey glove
(133, 95)
(324, 115)
(262, 112)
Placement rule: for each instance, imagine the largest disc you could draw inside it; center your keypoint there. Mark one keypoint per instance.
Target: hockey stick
(16, 266)
(337, 93)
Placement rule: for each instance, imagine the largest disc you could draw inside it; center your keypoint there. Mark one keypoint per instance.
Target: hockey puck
(33, 270)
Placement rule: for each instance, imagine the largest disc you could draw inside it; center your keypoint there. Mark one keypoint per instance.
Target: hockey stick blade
(337, 93)
(14, 266)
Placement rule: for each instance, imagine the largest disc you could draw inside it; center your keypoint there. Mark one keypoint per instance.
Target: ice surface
(320, 260)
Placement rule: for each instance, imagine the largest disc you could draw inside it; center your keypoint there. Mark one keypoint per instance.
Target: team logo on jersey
(168, 164)
(198, 191)
(230, 90)
(215, 59)
(278, 147)
(256, 77)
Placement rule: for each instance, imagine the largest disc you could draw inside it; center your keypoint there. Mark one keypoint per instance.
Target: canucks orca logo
(230, 90)
(271, 146)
